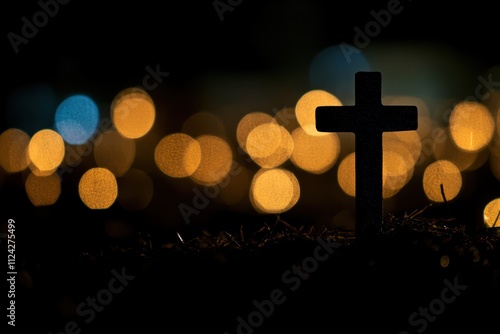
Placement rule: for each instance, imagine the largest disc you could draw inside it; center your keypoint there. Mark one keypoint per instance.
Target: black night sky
(231, 57)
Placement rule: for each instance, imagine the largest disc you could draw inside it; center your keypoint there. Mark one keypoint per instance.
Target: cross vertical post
(368, 119)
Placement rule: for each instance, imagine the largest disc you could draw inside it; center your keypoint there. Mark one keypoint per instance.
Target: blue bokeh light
(76, 119)
(333, 69)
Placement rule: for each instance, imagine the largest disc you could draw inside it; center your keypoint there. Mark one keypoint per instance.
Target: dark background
(100, 48)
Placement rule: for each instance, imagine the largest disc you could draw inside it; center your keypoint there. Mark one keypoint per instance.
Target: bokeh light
(263, 140)
(442, 176)
(216, 160)
(43, 190)
(471, 125)
(98, 188)
(76, 119)
(46, 150)
(305, 109)
(178, 155)
(280, 155)
(136, 190)
(14, 155)
(249, 122)
(133, 113)
(114, 152)
(314, 154)
(346, 174)
(446, 149)
(491, 213)
(274, 190)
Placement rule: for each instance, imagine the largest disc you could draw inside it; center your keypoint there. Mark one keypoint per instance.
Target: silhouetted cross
(368, 119)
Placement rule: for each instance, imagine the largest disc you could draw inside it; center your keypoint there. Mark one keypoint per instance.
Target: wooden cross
(368, 119)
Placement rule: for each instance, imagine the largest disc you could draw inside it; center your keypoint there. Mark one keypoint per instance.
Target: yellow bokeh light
(471, 125)
(43, 190)
(114, 152)
(133, 113)
(14, 155)
(274, 190)
(46, 150)
(216, 160)
(263, 140)
(442, 174)
(135, 190)
(491, 213)
(314, 154)
(446, 149)
(280, 155)
(249, 122)
(98, 188)
(394, 173)
(178, 155)
(305, 109)
(346, 174)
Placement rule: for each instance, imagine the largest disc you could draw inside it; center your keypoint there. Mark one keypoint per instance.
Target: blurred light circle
(76, 119)
(280, 155)
(46, 150)
(346, 174)
(43, 190)
(216, 160)
(491, 213)
(14, 156)
(98, 188)
(133, 113)
(274, 190)
(305, 109)
(263, 140)
(314, 154)
(178, 155)
(442, 174)
(249, 122)
(471, 125)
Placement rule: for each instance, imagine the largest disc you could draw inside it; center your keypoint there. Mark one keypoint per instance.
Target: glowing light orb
(346, 174)
(216, 160)
(46, 150)
(491, 213)
(445, 173)
(14, 155)
(394, 173)
(280, 155)
(98, 188)
(314, 154)
(76, 119)
(263, 140)
(446, 149)
(133, 113)
(43, 191)
(305, 109)
(178, 155)
(274, 190)
(114, 152)
(471, 125)
(249, 122)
